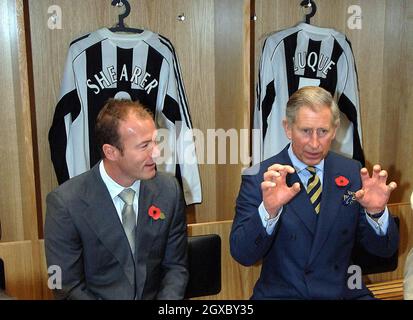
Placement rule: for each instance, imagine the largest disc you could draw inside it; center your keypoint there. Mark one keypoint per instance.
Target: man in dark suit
(302, 211)
(118, 231)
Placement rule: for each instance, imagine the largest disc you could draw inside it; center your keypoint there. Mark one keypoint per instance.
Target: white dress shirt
(114, 189)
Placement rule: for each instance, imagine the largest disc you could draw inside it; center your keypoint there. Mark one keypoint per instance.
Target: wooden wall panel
(25, 270)
(383, 55)
(368, 44)
(20, 268)
(18, 214)
(402, 101)
(232, 98)
(8, 152)
(405, 136)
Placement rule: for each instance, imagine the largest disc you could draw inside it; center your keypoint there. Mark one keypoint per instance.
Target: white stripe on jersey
(109, 61)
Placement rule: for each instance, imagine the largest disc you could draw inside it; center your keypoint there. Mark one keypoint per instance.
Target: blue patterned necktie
(314, 189)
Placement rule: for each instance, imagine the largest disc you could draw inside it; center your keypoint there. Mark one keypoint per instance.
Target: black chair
(204, 263)
(2, 276)
(370, 263)
(3, 295)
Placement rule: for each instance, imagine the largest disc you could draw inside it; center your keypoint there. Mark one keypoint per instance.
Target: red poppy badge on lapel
(155, 213)
(341, 181)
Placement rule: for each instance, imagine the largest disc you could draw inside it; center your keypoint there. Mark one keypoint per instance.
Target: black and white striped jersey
(306, 55)
(144, 67)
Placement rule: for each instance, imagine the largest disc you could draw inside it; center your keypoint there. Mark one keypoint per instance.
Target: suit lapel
(102, 218)
(300, 205)
(331, 201)
(147, 229)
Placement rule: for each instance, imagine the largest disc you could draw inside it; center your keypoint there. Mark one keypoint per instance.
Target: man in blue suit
(302, 211)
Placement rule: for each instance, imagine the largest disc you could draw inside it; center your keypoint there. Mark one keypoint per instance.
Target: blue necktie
(314, 189)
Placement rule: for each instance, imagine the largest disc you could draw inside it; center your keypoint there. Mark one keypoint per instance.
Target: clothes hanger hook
(121, 3)
(305, 4)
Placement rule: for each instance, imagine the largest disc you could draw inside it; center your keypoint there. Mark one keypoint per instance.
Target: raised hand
(275, 192)
(374, 192)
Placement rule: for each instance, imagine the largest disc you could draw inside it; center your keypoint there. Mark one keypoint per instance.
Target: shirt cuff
(380, 225)
(267, 222)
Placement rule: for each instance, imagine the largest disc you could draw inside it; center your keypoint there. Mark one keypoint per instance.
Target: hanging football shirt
(306, 55)
(144, 67)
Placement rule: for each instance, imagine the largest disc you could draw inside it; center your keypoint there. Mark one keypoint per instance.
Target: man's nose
(155, 151)
(314, 141)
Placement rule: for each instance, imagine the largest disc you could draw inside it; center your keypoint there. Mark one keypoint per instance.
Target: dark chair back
(370, 263)
(204, 263)
(2, 276)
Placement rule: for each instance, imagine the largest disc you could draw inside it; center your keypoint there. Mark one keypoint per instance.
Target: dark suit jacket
(85, 237)
(306, 257)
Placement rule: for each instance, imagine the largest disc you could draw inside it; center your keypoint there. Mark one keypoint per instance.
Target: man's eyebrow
(144, 141)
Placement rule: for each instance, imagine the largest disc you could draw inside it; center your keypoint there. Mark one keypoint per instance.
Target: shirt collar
(299, 165)
(113, 187)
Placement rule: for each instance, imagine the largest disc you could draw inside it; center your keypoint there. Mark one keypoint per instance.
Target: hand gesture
(275, 192)
(374, 193)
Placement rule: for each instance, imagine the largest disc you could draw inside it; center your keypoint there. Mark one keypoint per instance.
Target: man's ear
(110, 152)
(287, 129)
